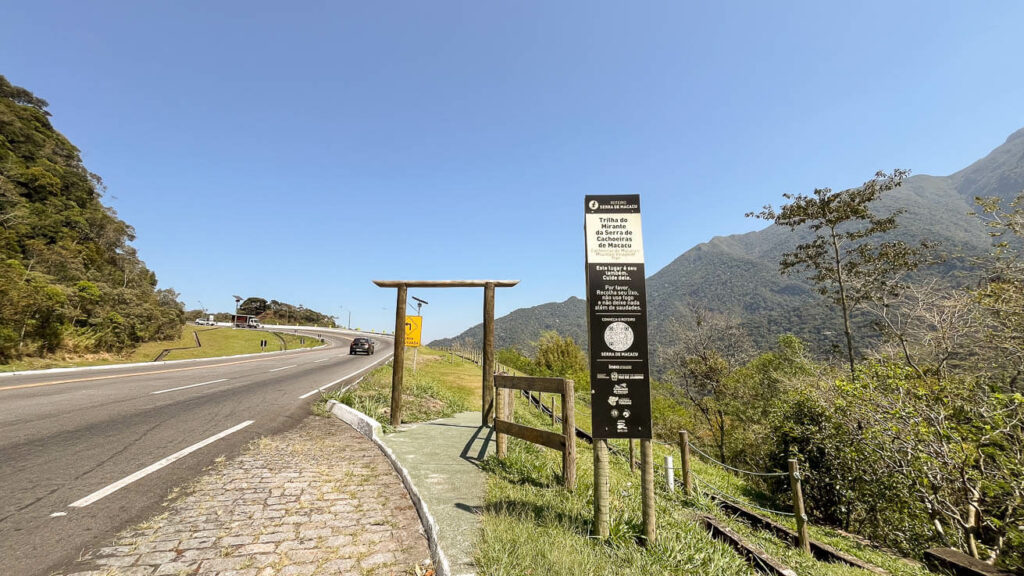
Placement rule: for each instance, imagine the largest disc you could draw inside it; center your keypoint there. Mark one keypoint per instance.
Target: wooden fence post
(501, 440)
(684, 454)
(398, 365)
(487, 359)
(569, 430)
(647, 496)
(798, 506)
(601, 527)
(632, 456)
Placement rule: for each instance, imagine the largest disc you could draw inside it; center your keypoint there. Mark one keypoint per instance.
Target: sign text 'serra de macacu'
(617, 317)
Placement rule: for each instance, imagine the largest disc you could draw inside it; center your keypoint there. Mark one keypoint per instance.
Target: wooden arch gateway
(397, 374)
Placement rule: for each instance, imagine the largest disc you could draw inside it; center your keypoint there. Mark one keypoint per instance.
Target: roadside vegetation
(216, 342)
(917, 442)
(70, 280)
(531, 525)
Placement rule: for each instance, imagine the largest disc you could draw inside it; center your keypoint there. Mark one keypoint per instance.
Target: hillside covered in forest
(738, 276)
(69, 278)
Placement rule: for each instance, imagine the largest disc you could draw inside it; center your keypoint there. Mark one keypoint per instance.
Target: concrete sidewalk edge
(371, 429)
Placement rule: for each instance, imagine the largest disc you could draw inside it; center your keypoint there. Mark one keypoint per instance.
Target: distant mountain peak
(1018, 135)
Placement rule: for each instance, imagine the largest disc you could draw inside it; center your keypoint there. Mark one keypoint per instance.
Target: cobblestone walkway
(319, 499)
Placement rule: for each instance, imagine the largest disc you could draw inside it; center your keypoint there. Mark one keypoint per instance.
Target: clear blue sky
(298, 150)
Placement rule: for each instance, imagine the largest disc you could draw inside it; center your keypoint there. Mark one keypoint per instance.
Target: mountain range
(738, 275)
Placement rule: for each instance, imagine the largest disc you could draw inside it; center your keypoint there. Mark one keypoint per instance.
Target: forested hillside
(738, 276)
(521, 329)
(69, 278)
(275, 312)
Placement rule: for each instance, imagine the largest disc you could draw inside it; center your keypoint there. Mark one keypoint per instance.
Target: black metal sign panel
(617, 302)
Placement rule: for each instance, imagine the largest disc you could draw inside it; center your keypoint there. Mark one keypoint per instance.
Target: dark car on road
(361, 346)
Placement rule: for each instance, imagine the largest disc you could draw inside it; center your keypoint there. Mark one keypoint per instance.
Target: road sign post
(413, 332)
(617, 329)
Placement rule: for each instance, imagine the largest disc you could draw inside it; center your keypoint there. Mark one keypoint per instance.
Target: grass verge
(533, 526)
(438, 388)
(216, 341)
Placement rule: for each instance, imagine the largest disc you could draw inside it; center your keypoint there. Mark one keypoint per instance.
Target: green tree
(559, 356)
(1002, 295)
(253, 306)
(842, 257)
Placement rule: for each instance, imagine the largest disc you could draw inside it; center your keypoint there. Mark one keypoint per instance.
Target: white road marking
(326, 386)
(58, 514)
(103, 492)
(320, 360)
(190, 386)
(283, 368)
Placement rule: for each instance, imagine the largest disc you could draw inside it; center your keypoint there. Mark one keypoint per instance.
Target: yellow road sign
(413, 329)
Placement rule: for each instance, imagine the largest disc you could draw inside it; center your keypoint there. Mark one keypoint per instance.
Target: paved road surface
(86, 453)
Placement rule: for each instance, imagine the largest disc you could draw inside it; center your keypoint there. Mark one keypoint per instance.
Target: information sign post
(617, 327)
(617, 318)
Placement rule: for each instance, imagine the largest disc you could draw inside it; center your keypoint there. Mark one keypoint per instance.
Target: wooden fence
(505, 426)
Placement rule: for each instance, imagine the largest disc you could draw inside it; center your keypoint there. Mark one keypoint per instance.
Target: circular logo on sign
(593, 204)
(618, 336)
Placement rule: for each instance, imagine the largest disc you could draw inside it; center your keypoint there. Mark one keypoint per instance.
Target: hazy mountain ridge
(522, 328)
(738, 274)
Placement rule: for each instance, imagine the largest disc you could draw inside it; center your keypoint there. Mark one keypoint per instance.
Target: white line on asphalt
(326, 386)
(58, 514)
(320, 360)
(153, 468)
(283, 368)
(190, 386)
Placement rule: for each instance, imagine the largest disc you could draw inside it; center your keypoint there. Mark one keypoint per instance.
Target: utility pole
(415, 351)
(234, 321)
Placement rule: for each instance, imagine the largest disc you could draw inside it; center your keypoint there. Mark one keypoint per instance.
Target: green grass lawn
(439, 387)
(216, 341)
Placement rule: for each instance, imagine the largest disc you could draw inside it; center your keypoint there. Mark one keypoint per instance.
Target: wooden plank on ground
(534, 383)
(954, 562)
(754, 556)
(535, 435)
(819, 550)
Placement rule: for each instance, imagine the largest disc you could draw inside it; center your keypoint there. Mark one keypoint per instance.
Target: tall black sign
(617, 302)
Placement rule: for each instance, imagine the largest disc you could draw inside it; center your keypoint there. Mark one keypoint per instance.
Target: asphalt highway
(87, 452)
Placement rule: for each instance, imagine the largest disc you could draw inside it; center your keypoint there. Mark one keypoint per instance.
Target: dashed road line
(190, 386)
(328, 385)
(110, 489)
(283, 368)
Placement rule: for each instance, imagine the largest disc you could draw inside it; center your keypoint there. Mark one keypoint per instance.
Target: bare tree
(929, 327)
(709, 348)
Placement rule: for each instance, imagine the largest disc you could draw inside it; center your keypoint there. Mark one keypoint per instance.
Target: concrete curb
(371, 429)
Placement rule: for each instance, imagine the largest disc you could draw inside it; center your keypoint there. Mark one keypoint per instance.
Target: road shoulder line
(111, 488)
